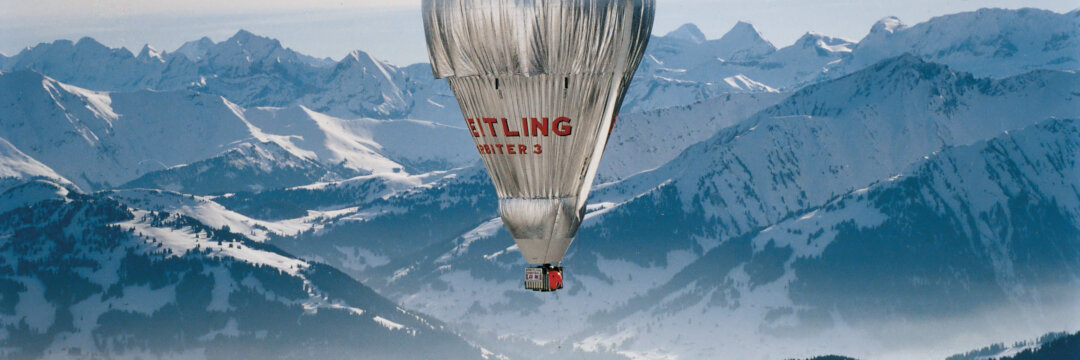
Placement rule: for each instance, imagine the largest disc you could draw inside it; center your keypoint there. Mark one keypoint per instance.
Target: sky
(391, 29)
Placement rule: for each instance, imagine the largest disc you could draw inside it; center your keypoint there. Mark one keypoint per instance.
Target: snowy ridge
(774, 277)
(107, 139)
(254, 166)
(33, 191)
(821, 143)
(987, 42)
(252, 70)
(205, 211)
(16, 167)
(643, 141)
(248, 69)
(136, 269)
(855, 130)
(825, 197)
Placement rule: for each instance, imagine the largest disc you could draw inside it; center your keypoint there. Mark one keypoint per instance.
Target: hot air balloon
(539, 83)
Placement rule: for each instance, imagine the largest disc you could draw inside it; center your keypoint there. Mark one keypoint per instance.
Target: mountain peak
(887, 25)
(743, 26)
(809, 36)
(743, 32)
(195, 50)
(824, 43)
(357, 56)
(688, 32)
(248, 40)
(245, 37)
(150, 53)
(243, 33)
(87, 42)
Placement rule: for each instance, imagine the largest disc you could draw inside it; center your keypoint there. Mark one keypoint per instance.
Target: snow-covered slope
(136, 283)
(102, 139)
(808, 60)
(821, 142)
(372, 221)
(725, 207)
(88, 63)
(32, 191)
(662, 79)
(856, 129)
(195, 50)
(247, 167)
(364, 144)
(16, 168)
(824, 141)
(247, 69)
(680, 67)
(361, 84)
(987, 42)
(98, 139)
(686, 46)
(206, 211)
(1052, 345)
(645, 140)
(652, 92)
(988, 228)
(432, 100)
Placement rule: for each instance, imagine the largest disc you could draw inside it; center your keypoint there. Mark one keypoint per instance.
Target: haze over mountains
(887, 198)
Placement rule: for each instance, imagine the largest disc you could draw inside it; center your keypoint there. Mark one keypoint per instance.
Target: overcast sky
(391, 29)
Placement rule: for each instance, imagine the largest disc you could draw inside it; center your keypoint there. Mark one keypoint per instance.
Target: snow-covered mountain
(17, 168)
(97, 139)
(835, 136)
(245, 51)
(1054, 345)
(102, 139)
(680, 67)
(824, 197)
(247, 69)
(806, 61)
(686, 46)
(988, 228)
(645, 140)
(987, 42)
(974, 233)
(195, 50)
(86, 276)
(662, 81)
(822, 142)
(381, 95)
(88, 63)
(247, 167)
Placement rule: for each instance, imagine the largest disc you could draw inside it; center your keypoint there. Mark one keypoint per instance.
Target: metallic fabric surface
(540, 83)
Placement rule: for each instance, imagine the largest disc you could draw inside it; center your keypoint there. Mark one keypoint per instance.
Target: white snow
(32, 308)
(208, 212)
(180, 241)
(388, 324)
(487, 229)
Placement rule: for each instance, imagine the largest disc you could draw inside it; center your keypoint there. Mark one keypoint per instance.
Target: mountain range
(912, 194)
(742, 180)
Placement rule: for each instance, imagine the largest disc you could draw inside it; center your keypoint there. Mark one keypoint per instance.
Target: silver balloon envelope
(539, 83)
